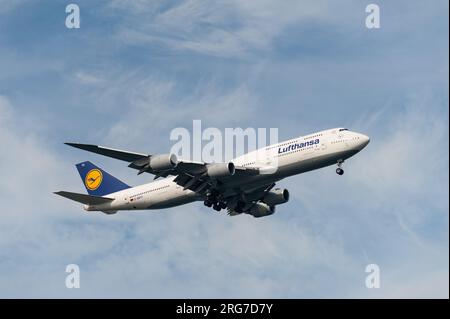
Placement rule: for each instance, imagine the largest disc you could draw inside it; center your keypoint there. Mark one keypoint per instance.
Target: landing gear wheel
(217, 207)
(239, 207)
(339, 171)
(207, 203)
(223, 205)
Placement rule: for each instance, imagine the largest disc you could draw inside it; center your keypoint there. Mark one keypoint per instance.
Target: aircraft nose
(364, 140)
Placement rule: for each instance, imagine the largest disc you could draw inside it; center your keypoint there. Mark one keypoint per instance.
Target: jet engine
(276, 196)
(261, 209)
(162, 162)
(220, 170)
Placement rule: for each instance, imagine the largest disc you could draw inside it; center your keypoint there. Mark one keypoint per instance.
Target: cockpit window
(343, 129)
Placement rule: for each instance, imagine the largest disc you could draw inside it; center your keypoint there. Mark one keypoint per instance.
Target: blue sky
(136, 70)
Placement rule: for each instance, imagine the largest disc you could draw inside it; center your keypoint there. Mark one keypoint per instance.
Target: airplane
(243, 185)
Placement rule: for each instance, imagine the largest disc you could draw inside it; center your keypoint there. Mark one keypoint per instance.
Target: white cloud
(8, 5)
(87, 78)
(149, 106)
(177, 252)
(224, 29)
(304, 250)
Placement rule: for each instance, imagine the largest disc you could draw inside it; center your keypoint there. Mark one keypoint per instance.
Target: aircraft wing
(110, 152)
(189, 174)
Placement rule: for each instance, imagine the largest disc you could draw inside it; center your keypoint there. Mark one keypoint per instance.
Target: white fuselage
(276, 162)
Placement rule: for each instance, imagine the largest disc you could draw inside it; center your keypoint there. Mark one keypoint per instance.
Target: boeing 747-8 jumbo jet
(243, 185)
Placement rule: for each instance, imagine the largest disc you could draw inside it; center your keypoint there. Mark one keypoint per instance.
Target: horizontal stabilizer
(85, 199)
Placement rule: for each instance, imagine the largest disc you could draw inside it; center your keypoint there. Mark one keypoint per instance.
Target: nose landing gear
(339, 170)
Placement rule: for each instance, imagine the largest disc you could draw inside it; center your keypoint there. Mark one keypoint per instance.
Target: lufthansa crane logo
(93, 179)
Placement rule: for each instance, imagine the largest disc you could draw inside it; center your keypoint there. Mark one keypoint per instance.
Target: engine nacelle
(163, 162)
(220, 170)
(261, 209)
(276, 196)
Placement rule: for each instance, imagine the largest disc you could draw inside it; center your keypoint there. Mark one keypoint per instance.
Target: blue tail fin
(97, 181)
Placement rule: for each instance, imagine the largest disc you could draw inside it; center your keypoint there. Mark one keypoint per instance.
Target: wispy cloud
(223, 29)
(87, 78)
(304, 250)
(7, 5)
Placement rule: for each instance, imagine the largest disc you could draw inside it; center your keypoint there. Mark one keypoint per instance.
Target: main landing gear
(208, 203)
(212, 201)
(215, 205)
(339, 170)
